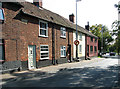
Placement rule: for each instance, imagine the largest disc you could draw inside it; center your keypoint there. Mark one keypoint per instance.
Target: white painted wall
(81, 42)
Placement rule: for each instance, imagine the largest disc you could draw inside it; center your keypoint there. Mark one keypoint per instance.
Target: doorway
(88, 50)
(31, 56)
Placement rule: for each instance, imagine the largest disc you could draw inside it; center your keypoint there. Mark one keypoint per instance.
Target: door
(69, 52)
(31, 57)
(88, 50)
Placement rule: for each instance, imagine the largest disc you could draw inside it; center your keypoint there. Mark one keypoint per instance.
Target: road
(103, 73)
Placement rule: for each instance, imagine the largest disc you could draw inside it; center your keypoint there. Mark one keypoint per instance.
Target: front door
(88, 50)
(31, 57)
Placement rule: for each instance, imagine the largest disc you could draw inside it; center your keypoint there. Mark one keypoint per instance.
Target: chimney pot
(87, 26)
(37, 3)
(71, 17)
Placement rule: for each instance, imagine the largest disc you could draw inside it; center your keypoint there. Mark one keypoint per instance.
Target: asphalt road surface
(104, 73)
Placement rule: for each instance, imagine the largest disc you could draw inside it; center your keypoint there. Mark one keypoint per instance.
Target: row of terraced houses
(33, 37)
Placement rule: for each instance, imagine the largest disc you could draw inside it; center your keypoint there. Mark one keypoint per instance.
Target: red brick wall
(59, 41)
(19, 35)
(90, 43)
(9, 31)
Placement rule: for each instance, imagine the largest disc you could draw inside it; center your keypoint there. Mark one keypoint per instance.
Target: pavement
(48, 69)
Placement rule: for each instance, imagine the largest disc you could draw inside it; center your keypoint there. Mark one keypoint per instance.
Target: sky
(94, 11)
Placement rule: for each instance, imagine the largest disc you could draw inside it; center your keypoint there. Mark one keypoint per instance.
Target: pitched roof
(44, 14)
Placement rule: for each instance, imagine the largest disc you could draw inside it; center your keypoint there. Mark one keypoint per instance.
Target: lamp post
(118, 7)
(102, 41)
(76, 30)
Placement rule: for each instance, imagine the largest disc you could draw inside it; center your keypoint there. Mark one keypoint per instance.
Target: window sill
(43, 59)
(43, 36)
(63, 57)
(64, 37)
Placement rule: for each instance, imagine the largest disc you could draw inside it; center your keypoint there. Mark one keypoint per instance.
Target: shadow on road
(77, 77)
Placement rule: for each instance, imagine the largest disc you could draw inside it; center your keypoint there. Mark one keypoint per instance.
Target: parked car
(112, 53)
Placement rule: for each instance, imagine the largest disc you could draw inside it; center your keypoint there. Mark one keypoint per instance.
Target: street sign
(76, 42)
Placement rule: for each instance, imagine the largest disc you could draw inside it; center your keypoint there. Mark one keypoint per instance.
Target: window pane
(92, 39)
(44, 46)
(80, 36)
(2, 50)
(64, 52)
(43, 29)
(43, 25)
(61, 53)
(63, 32)
(80, 48)
(91, 48)
(44, 49)
(44, 54)
(61, 47)
(1, 4)
(1, 14)
(95, 48)
(43, 32)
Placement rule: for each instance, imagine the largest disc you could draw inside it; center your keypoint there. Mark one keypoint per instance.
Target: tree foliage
(116, 32)
(107, 38)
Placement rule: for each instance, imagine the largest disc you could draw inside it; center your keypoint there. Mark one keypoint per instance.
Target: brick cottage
(33, 37)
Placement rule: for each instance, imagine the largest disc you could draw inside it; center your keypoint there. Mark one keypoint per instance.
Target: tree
(116, 32)
(107, 38)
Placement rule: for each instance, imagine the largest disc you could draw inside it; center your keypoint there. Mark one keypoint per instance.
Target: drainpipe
(53, 45)
(85, 46)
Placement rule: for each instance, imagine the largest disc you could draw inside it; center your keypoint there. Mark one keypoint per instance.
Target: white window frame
(80, 36)
(64, 50)
(44, 52)
(80, 48)
(2, 13)
(63, 32)
(43, 28)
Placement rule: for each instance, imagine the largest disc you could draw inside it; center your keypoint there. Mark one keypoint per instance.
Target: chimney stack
(87, 26)
(37, 3)
(71, 18)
